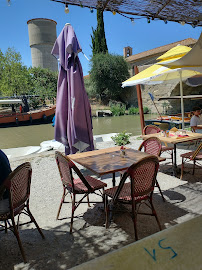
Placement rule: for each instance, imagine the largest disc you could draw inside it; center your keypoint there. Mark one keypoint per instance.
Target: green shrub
(133, 110)
(89, 87)
(146, 110)
(117, 109)
(34, 102)
(107, 73)
(121, 138)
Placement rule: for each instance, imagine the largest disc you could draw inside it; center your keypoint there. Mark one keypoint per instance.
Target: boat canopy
(10, 101)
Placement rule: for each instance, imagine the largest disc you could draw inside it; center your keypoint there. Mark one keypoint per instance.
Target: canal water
(21, 136)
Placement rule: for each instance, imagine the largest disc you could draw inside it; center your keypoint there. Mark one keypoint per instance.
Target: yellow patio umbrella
(192, 59)
(157, 73)
(156, 70)
(175, 52)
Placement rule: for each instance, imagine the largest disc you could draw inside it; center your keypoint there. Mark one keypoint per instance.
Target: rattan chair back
(197, 151)
(65, 166)
(18, 184)
(151, 129)
(151, 146)
(142, 176)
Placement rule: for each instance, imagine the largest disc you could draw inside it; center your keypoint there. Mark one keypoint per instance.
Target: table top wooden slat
(174, 140)
(105, 161)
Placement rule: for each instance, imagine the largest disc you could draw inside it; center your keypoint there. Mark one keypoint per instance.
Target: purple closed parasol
(73, 123)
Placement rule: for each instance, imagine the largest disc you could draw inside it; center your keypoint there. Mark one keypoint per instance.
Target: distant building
(42, 36)
(147, 58)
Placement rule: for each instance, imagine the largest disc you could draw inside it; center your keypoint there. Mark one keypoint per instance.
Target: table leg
(114, 179)
(175, 162)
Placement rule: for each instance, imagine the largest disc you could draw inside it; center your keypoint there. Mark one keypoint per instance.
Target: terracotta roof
(159, 50)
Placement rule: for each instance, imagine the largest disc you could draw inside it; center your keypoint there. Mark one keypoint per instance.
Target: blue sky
(120, 32)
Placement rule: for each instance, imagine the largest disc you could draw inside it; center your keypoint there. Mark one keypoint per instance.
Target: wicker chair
(18, 185)
(152, 146)
(82, 185)
(139, 190)
(194, 156)
(151, 129)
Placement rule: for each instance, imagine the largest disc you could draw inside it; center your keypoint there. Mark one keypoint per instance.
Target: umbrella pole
(182, 101)
(139, 98)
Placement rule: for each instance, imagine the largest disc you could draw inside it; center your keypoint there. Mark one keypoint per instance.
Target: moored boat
(43, 115)
(169, 121)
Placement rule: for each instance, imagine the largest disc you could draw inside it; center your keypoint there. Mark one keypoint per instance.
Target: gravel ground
(90, 239)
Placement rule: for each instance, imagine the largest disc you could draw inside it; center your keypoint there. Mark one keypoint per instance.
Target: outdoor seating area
(100, 193)
(69, 244)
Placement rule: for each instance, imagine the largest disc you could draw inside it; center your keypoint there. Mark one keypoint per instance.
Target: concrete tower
(42, 36)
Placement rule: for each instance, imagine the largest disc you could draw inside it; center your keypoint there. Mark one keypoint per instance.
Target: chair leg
(34, 221)
(194, 166)
(73, 209)
(103, 197)
(106, 211)
(157, 184)
(6, 228)
(172, 156)
(62, 201)
(134, 217)
(182, 169)
(155, 214)
(16, 233)
(88, 201)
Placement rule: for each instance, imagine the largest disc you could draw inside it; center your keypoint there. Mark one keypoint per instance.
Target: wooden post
(139, 98)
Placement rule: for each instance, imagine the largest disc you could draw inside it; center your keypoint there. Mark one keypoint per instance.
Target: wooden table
(106, 161)
(175, 140)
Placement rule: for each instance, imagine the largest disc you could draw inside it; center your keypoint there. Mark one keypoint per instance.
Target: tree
(1, 64)
(44, 82)
(107, 74)
(15, 78)
(99, 43)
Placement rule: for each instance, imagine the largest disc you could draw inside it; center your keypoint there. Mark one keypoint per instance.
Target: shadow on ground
(90, 239)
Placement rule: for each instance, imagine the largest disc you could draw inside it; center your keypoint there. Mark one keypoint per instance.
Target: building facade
(144, 60)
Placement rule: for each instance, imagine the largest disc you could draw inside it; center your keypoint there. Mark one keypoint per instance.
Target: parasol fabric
(73, 122)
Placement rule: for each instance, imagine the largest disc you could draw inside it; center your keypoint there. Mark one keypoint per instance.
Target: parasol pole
(139, 99)
(182, 101)
(152, 98)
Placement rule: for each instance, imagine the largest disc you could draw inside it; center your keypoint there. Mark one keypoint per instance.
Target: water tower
(42, 36)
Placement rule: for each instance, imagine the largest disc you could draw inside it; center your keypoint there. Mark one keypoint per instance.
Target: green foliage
(133, 110)
(165, 106)
(121, 138)
(14, 77)
(44, 82)
(89, 88)
(107, 74)
(188, 128)
(99, 43)
(117, 109)
(146, 110)
(34, 102)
